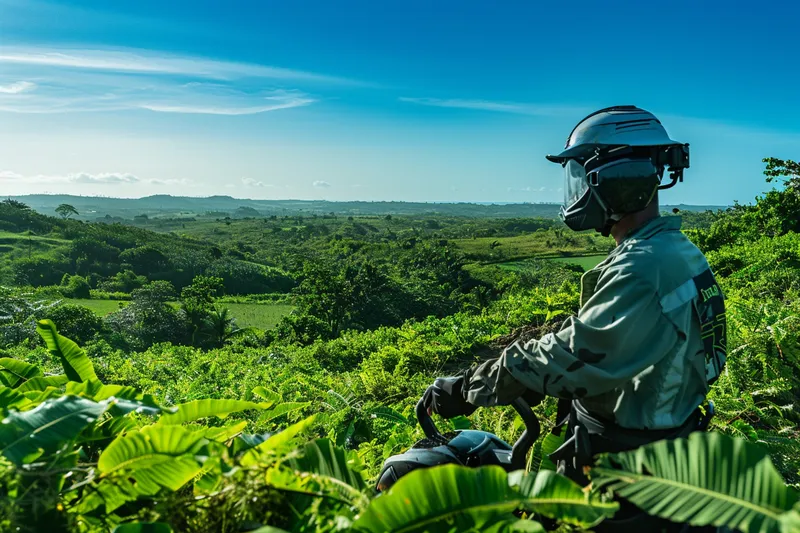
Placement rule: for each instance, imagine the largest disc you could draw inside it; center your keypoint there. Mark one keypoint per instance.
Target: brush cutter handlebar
(521, 446)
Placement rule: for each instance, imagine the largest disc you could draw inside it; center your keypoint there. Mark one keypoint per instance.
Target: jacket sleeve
(619, 333)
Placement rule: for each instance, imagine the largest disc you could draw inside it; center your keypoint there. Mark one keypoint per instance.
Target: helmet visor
(575, 183)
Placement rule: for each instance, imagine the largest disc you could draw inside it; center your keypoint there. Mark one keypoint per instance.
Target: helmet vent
(634, 124)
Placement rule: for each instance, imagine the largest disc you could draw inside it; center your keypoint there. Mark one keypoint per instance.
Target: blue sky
(420, 101)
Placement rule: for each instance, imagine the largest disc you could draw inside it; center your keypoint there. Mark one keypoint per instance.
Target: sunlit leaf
(197, 409)
(555, 496)
(143, 527)
(13, 371)
(707, 479)
(443, 498)
(282, 409)
(77, 365)
(41, 383)
(279, 442)
(46, 428)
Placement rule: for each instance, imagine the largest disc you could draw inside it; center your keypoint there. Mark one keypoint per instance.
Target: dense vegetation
(173, 414)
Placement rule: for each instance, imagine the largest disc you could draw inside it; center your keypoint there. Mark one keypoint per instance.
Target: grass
(541, 244)
(262, 316)
(100, 307)
(587, 262)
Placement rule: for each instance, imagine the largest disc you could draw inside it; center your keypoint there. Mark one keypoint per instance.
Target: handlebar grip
(528, 437)
(428, 427)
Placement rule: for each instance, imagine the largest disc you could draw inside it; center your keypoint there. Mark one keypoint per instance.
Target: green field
(587, 262)
(100, 307)
(528, 245)
(263, 316)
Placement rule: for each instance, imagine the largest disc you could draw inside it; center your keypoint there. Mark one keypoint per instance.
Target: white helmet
(614, 161)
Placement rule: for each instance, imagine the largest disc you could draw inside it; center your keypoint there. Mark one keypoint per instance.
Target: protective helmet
(614, 162)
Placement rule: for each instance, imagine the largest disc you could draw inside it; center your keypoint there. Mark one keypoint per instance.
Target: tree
(66, 211)
(16, 204)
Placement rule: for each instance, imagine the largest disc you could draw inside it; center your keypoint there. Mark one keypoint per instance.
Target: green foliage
(708, 479)
(66, 211)
(76, 321)
(75, 286)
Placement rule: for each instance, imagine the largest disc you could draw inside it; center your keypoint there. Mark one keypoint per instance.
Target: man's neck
(633, 221)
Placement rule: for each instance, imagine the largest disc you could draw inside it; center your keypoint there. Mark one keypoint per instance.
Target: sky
(455, 101)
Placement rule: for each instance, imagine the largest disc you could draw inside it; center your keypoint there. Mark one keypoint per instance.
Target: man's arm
(619, 333)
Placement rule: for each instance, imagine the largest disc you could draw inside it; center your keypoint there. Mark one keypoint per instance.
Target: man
(637, 361)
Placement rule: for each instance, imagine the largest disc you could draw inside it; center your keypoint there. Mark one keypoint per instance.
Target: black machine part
(464, 447)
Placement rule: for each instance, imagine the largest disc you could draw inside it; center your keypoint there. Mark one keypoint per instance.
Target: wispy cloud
(155, 62)
(86, 178)
(498, 107)
(117, 92)
(321, 184)
(17, 87)
(181, 181)
(92, 80)
(250, 182)
(286, 104)
(528, 189)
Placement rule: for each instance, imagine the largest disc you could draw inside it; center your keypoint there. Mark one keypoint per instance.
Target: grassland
(540, 244)
(263, 316)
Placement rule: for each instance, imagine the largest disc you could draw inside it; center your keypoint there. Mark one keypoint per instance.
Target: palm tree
(221, 326)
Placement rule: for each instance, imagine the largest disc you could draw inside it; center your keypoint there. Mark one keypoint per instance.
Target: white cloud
(154, 62)
(321, 184)
(8, 175)
(289, 103)
(103, 178)
(181, 181)
(250, 182)
(111, 92)
(500, 107)
(17, 87)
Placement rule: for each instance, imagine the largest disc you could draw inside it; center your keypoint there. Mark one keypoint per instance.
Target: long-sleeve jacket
(646, 343)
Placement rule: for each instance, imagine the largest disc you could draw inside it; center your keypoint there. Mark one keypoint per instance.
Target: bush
(75, 287)
(75, 321)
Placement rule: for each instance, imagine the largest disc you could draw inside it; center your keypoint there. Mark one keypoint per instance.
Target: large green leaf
(555, 496)
(143, 527)
(790, 520)
(707, 479)
(77, 365)
(13, 371)
(225, 433)
(442, 498)
(42, 383)
(153, 448)
(27, 435)
(95, 390)
(278, 443)
(12, 398)
(322, 469)
(540, 459)
(196, 409)
(282, 409)
(268, 395)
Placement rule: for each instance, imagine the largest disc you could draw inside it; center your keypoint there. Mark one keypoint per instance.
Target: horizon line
(472, 202)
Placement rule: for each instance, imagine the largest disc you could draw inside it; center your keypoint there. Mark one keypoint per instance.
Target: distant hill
(93, 207)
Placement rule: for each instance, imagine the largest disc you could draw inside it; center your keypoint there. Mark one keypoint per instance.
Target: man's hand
(445, 398)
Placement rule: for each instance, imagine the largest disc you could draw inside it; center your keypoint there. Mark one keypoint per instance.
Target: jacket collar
(654, 226)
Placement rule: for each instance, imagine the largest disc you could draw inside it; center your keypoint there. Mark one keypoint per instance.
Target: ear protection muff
(625, 185)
